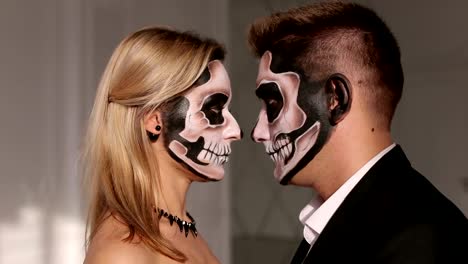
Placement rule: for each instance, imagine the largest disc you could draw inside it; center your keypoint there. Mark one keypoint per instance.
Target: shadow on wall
(265, 224)
(258, 249)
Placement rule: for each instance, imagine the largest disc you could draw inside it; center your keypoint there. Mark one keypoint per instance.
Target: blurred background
(52, 55)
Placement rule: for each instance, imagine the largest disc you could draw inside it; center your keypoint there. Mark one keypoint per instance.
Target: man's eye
(271, 102)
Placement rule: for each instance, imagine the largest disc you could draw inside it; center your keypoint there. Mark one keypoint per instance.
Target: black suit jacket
(393, 215)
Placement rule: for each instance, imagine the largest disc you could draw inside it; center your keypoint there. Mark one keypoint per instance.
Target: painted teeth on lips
(279, 150)
(215, 154)
(218, 150)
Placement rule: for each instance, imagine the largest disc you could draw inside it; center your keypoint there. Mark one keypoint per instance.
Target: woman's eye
(216, 110)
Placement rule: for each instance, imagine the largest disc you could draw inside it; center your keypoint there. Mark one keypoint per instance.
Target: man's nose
(261, 132)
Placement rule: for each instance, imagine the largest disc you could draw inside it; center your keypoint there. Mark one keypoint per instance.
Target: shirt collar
(317, 212)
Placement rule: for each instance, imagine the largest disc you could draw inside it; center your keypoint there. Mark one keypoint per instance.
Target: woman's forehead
(218, 83)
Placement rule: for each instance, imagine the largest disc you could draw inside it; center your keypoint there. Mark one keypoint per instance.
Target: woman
(160, 121)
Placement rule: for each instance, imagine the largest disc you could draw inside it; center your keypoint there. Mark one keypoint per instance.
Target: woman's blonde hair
(147, 69)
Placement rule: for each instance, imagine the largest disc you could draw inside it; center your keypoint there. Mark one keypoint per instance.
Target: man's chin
(282, 172)
(281, 176)
(297, 178)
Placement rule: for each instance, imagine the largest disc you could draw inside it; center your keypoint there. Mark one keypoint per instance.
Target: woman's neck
(174, 185)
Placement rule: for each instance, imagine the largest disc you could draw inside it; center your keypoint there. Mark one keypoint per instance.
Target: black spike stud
(186, 228)
(179, 223)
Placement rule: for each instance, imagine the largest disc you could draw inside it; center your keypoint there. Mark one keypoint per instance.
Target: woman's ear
(340, 97)
(153, 125)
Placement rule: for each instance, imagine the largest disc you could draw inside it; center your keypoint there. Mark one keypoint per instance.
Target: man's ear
(339, 93)
(153, 125)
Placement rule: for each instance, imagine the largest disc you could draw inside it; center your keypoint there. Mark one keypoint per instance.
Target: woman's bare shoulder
(117, 253)
(109, 246)
(124, 253)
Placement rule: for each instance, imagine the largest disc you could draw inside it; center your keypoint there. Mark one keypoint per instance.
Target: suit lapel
(342, 234)
(301, 252)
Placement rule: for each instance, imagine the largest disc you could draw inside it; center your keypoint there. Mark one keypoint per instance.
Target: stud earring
(153, 137)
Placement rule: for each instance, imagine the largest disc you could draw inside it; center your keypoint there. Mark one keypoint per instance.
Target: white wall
(41, 118)
(432, 119)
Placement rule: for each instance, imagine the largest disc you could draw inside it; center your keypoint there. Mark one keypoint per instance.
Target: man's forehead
(266, 75)
(264, 67)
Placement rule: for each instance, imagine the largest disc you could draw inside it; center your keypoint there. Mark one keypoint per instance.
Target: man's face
(200, 128)
(293, 121)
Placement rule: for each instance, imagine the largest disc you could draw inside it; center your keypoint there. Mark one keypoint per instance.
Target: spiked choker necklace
(184, 226)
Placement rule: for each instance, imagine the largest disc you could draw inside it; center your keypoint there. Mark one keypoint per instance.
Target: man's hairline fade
(366, 56)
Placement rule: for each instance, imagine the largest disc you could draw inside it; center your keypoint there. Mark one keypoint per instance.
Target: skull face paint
(293, 121)
(199, 128)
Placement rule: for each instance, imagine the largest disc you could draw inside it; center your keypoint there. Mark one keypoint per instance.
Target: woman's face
(199, 128)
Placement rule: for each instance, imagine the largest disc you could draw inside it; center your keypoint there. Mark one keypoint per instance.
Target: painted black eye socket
(213, 108)
(271, 95)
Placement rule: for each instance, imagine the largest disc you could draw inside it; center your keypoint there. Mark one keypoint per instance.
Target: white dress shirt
(317, 213)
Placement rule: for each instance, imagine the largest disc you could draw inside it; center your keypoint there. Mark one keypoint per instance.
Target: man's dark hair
(325, 38)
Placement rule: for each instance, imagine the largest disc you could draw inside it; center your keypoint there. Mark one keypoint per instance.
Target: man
(329, 80)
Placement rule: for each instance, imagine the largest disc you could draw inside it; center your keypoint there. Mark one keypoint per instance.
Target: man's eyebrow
(260, 82)
(260, 92)
(257, 82)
